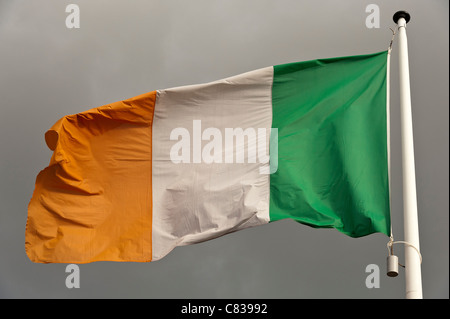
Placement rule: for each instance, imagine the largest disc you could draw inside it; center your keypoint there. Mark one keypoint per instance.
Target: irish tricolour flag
(131, 180)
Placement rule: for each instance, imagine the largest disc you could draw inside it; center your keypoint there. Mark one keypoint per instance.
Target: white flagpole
(413, 275)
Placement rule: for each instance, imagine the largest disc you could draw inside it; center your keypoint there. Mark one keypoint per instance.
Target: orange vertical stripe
(94, 200)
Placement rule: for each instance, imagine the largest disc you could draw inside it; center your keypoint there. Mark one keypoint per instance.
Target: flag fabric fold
(132, 180)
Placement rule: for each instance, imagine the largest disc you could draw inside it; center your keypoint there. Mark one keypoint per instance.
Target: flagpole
(413, 275)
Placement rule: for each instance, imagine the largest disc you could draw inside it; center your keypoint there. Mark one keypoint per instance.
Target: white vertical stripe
(194, 202)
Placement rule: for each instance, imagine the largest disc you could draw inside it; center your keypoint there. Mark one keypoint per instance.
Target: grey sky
(126, 48)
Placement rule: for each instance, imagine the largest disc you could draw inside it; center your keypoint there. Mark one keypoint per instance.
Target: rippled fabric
(132, 180)
(332, 144)
(93, 201)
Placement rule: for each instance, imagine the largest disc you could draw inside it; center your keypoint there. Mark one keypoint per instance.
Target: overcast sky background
(126, 48)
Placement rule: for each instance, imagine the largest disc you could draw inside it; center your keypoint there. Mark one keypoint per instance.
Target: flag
(132, 180)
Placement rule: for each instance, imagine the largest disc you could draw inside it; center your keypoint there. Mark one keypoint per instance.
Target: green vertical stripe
(332, 145)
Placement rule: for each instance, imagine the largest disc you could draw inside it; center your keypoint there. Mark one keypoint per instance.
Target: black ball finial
(401, 14)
